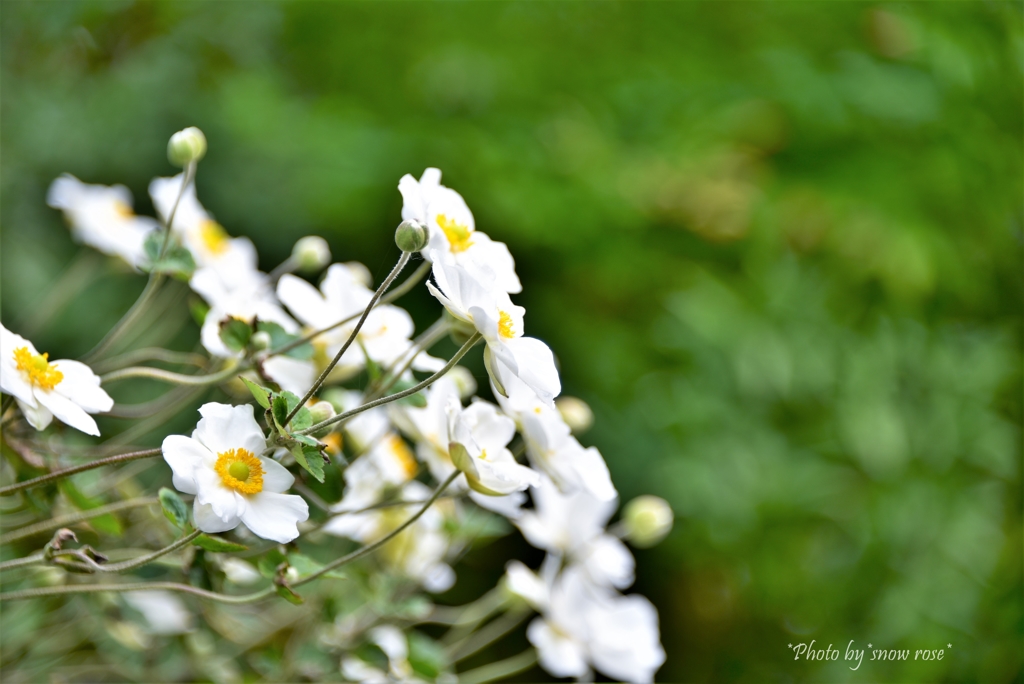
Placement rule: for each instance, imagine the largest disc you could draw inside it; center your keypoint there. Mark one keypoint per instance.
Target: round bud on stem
(646, 520)
(260, 340)
(321, 411)
(576, 413)
(411, 236)
(311, 253)
(186, 147)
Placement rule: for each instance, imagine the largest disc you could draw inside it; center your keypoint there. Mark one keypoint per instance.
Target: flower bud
(576, 414)
(186, 147)
(411, 236)
(647, 520)
(311, 253)
(321, 411)
(464, 381)
(260, 340)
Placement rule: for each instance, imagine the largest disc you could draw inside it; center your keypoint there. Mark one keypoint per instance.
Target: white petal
(82, 386)
(12, 381)
(558, 654)
(536, 366)
(525, 583)
(275, 516)
(208, 521)
(302, 299)
(67, 411)
(276, 477)
(293, 375)
(609, 563)
(224, 427)
(185, 456)
(37, 416)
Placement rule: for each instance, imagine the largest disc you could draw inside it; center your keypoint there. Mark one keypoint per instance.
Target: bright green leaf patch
(217, 544)
(173, 507)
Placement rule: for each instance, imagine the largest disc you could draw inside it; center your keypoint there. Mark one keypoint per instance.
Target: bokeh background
(777, 247)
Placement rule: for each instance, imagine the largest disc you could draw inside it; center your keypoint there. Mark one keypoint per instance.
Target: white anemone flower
(453, 235)
(66, 389)
(479, 437)
(384, 336)
(206, 239)
(508, 355)
(221, 464)
(101, 216)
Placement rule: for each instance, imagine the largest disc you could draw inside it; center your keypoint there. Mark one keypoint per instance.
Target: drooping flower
(221, 463)
(453, 235)
(508, 354)
(101, 216)
(66, 389)
(479, 437)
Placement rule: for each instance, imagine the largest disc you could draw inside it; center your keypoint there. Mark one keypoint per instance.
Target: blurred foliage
(778, 247)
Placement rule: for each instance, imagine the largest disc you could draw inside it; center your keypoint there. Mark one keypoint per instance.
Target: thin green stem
(402, 261)
(75, 518)
(170, 377)
(397, 395)
(492, 672)
(405, 287)
(21, 562)
(370, 548)
(187, 176)
(490, 633)
(92, 566)
(150, 354)
(57, 474)
(134, 586)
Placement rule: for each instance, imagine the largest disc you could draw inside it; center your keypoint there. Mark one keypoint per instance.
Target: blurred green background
(776, 246)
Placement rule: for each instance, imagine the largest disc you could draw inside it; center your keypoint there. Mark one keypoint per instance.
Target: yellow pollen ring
(459, 236)
(37, 369)
(505, 326)
(240, 470)
(213, 236)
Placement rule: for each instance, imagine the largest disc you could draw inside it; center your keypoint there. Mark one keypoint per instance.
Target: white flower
(44, 388)
(206, 239)
(478, 436)
(164, 612)
(238, 571)
(573, 525)
(101, 216)
(221, 464)
(388, 464)
(384, 336)
(453, 235)
(508, 355)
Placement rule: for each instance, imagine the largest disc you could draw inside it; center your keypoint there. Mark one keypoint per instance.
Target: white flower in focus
(206, 239)
(164, 612)
(508, 355)
(221, 464)
(66, 389)
(101, 216)
(478, 436)
(453, 235)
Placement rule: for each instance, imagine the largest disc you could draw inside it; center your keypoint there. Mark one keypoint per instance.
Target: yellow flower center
(240, 470)
(213, 236)
(459, 236)
(37, 369)
(123, 210)
(401, 451)
(505, 326)
(334, 442)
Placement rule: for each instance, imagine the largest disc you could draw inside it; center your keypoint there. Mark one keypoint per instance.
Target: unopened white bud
(464, 381)
(576, 413)
(647, 520)
(411, 236)
(186, 147)
(260, 340)
(311, 253)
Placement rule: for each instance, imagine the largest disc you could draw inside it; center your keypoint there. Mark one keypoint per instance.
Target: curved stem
(134, 586)
(402, 261)
(489, 634)
(171, 377)
(57, 474)
(21, 562)
(73, 518)
(397, 395)
(150, 354)
(370, 548)
(406, 286)
(131, 564)
(492, 672)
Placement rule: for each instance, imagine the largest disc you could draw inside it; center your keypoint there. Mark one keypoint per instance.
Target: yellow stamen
(401, 451)
(240, 470)
(123, 210)
(37, 369)
(213, 236)
(334, 443)
(459, 236)
(505, 326)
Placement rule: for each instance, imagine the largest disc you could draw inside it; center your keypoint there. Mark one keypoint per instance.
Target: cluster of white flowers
(556, 491)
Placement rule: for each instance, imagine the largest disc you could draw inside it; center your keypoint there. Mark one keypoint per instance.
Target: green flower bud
(576, 414)
(647, 520)
(186, 147)
(260, 340)
(311, 253)
(411, 236)
(321, 411)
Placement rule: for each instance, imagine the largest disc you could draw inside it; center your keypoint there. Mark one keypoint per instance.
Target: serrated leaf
(173, 507)
(286, 593)
(280, 337)
(235, 333)
(260, 394)
(217, 544)
(281, 405)
(310, 459)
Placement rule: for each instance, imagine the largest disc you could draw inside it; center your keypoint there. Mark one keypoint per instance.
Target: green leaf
(281, 405)
(307, 566)
(286, 593)
(418, 400)
(268, 563)
(280, 337)
(260, 394)
(107, 523)
(198, 308)
(173, 507)
(217, 544)
(235, 333)
(310, 458)
(153, 244)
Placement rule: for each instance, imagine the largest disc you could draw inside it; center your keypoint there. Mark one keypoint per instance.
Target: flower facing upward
(221, 464)
(44, 388)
